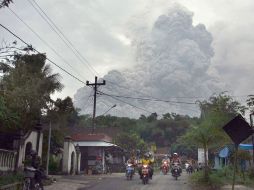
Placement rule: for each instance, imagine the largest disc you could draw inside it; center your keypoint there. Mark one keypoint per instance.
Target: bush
(53, 165)
(214, 180)
(251, 173)
(10, 177)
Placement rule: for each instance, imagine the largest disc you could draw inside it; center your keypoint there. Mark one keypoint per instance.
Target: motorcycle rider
(147, 160)
(176, 159)
(165, 160)
(34, 161)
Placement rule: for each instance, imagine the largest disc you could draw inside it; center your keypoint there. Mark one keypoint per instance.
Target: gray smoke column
(173, 61)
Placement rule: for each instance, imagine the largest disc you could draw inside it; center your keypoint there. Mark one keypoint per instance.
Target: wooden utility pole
(251, 124)
(95, 85)
(49, 141)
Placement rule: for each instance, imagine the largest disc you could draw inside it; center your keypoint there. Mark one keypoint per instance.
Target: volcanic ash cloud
(173, 61)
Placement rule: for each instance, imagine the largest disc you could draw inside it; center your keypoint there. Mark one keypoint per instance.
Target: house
(221, 157)
(97, 149)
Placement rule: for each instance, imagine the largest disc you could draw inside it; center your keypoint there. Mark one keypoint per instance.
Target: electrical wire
(147, 99)
(44, 41)
(130, 104)
(73, 76)
(62, 36)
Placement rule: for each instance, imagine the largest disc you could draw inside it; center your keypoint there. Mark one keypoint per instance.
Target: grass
(219, 178)
(198, 181)
(10, 177)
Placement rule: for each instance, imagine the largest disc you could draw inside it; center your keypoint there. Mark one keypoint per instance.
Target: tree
(5, 3)
(64, 113)
(204, 135)
(130, 142)
(215, 113)
(152, 117)
(250, 103)
(7, 117)
(223, 105)
(28, 85)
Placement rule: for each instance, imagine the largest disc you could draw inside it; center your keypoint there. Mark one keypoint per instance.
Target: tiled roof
(91, 137)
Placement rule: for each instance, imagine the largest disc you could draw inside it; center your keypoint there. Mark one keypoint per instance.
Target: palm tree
(29, 84)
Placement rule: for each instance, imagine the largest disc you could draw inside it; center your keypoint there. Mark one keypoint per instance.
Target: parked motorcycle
(145, 174)
(176, 170)
(33, 179)
(129, 171)
(164, 168)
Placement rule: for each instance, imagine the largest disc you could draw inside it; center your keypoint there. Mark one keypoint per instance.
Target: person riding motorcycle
(165, 161)
(33, 163)
(176, 159)
(147, 160)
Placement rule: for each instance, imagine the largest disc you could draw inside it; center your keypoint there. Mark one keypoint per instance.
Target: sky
(170, 50)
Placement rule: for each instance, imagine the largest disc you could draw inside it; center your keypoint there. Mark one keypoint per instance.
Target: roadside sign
(201, 155)
(238, 129)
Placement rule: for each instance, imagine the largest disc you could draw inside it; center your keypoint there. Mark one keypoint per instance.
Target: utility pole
(251, 124)
(49, 140)
(95, 84)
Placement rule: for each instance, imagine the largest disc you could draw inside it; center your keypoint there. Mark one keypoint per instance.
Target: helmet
(175, 154)
(146, 155)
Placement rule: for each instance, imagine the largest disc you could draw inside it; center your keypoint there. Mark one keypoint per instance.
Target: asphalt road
(159, 181)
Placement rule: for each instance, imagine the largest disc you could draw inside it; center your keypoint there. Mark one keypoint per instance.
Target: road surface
(159, 181)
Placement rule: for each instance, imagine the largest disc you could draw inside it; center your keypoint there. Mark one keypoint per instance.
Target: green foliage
(10, 177)
(5, 3)
(131, 142)
(53, 165)
(28, 86)
(251, 173)
(214, 181)
(8, 118)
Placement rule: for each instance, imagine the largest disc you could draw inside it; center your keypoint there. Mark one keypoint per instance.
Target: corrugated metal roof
(91, 137)
(94, 143)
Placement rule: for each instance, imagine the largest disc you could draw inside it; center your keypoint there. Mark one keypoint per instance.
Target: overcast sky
(120, 35)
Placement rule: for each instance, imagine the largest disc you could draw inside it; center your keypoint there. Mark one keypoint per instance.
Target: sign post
(238, 130)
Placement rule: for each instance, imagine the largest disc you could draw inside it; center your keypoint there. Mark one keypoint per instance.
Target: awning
(224, 153)
(94, 143)
(246, 146)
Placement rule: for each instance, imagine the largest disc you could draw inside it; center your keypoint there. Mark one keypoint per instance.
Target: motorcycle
(164, 168)
(176, 171)
(129, 171)
(145, 174)
(189, 169)
(33, 179)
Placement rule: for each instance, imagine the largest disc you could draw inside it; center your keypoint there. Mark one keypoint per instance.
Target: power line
(41, 53)
(131, 104)
(63, 37)
(148, 99)
(45, 42)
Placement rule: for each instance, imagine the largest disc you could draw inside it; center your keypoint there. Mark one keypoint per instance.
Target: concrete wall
(30, 138)
(10, 160)
(71, 158)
